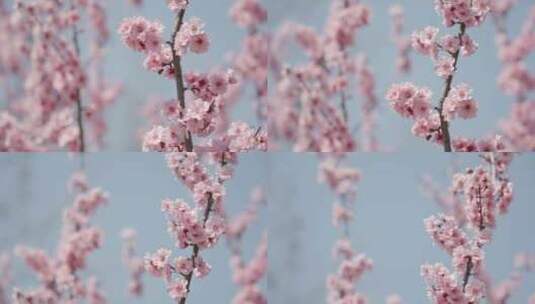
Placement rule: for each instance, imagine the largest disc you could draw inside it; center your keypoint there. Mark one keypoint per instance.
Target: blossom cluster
(201, 118)
(252, 60)
(445, 288)
(445, 232)
(177, 5)
(141, 35)
(467, 12)
(248, 13)
(403, 44)
(132, 262)
(460, 103)
(340, 285)
(515, 78)
(483, 192)
(501, 292)
(442, 50)
(60, 275)
(342, 181)
(191, 37)
(247, 275)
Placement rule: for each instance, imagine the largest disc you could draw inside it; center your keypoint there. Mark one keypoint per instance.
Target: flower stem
(79, 107)
(444, 125)
(196, 248)
(467, 273)
(179, 78)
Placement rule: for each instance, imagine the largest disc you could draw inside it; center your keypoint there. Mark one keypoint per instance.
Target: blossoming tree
(60, 277)
(342, 181)
(200, 227)
(471, 207)
(198, 111)
(516, 79)
(311, 101)
(456, 101)
(55, 94)
(248, 274)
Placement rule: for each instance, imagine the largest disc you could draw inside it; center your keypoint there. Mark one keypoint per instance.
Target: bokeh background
(388, 226)
(33, 195)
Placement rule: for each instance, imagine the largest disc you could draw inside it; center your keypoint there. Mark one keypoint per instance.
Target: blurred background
(388, 226)
(33, 195)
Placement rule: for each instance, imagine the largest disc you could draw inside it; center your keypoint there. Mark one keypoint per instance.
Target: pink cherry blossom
(315, 95)
(78, 240)
(444, 67)
(403, 43)
(442, 285)
(248, 274)
(198, 118)
(248, 13)
(141, 34)
(199, 226)
(177, 5)
(445, 52)
(469, 282)
(519, 127)
(177, 290)
(134, 264)
(470, 13)
(445, 232)
(60, 96)
(394, 299)
(342, 182)
(425, 41)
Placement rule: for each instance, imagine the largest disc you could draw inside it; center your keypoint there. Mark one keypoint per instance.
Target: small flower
(177, 5)
(177, 289)
(444, 67)
(199, 43)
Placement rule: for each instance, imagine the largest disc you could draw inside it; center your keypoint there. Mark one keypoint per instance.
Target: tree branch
(196, 248)
(179, 78)
(79, 107)
(467, 273)
(444, 125)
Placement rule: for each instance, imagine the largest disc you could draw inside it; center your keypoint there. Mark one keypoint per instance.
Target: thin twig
(196, 248)
(79, 107)
(444, 125)
(179, 78)
(467, 273)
